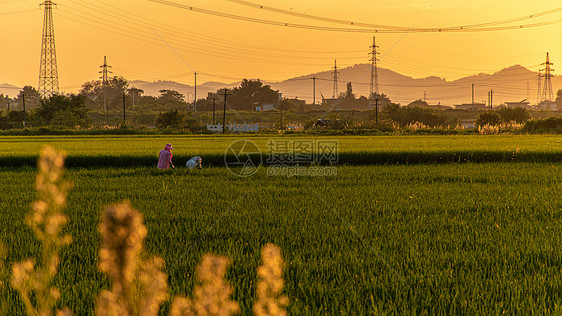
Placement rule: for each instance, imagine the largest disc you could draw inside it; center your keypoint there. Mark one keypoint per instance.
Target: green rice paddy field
(142, 151)
(385, 235)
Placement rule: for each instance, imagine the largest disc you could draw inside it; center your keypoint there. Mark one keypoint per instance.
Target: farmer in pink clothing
(165, 157)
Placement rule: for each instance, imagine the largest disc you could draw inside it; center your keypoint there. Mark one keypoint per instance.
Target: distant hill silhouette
(509, 84)
(9, 90)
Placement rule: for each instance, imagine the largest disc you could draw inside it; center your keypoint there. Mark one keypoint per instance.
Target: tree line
(75, 110)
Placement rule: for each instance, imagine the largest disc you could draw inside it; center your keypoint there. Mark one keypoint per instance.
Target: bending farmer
(165, 157)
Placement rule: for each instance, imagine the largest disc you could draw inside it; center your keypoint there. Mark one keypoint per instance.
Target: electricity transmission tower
(539, 87)
(104, 80)
(335, 95)
(195, 94)
(547, 94)
(374, 89)
(314, 78)
(48, 74)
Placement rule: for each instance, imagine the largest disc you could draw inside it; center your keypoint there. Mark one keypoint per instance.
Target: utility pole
(24, 112)
(335, 95)
(314, 91)
(134, 113)
(124, 115)
(472, 104)
(213, 110)
(48, 73)
(224, 112)
(377, 110)
(187, 100)
(104, 77)
(281, 122)
(195, 95)
(424, 96)
(491, 99)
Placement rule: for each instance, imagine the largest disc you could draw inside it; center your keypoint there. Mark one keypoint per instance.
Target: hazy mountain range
(514, 83)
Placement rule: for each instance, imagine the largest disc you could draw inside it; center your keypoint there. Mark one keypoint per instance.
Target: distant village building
(265, 107)
(424, 105)
(472, 107)
(234, 127)
(346, 104)
(522, 104)
(547, 106)
(296, 102)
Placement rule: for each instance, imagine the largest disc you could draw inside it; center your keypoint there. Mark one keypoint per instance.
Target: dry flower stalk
(488, 129)
(139, 286)
(270, 301)
(212, 296)
(3, 278)
(46, 220)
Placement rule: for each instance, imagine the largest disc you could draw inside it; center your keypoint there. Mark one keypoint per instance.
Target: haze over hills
(514, 83)
(511, 84)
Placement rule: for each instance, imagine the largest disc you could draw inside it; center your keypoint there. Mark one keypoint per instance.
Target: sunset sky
(133, 35)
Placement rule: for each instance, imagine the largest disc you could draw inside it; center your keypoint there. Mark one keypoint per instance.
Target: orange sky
(227, 50)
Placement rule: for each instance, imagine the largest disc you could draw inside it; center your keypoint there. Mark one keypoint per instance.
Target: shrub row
(549, 125)
(346, 158)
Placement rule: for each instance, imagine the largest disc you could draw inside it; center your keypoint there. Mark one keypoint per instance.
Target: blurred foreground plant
(139, 286)
(212, 296)
(3, 278)
(34, 282)
(270, 301)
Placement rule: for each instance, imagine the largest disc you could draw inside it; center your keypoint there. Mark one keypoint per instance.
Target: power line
(141, 36)
(358, 30)
(18, 12)
(179, 36)
(216, 40)
(393, 27)
(212, 51)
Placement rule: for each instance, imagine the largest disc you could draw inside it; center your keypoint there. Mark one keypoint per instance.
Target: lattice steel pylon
(374, 85)
(48, 74)
(547, 93)
(336, 72)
